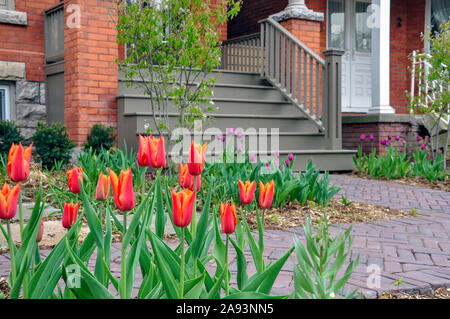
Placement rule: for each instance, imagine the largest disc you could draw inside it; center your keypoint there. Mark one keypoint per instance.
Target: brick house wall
(22, 45)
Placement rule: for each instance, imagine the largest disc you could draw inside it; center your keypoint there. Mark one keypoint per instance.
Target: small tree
(434, 82)
(172, 46)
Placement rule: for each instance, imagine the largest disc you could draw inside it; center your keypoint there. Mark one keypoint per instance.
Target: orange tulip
(157, 147)
(182, 207)
(18, 167)
(124, 197)
(103, 186)
(72, 176)
(41, 231)
(247, 191)
(186, 180)
(8, 201)
(69, 214)
(266, 193)
(196, 159)
(143, 156)
(228, 217)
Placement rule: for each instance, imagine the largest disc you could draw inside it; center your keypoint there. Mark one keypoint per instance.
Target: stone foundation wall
(29, 106)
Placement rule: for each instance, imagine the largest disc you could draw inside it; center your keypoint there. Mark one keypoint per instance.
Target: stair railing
(242, 54)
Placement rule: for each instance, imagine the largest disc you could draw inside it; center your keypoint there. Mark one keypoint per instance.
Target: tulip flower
(8, 201)
(404, 142)
(383, 142)
(143, 155)
(422, 147)
(40, 233)
(182, 207)
(103, 186)
(371, 137)
(69, 214)
(389, 137)
(418, 138)
(18, 167)
(401, 149)
(397, 138)
(73, 175)
(291, 156)
(228, 217)
(266, 193)
(246, 191)
(157, 147)
(287, 162)
(362, 137)
(186, 180)
(251, 157)
(123, 192)
(196, 160)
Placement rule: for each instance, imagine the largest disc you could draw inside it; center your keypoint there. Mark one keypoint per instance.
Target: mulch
(440, 293)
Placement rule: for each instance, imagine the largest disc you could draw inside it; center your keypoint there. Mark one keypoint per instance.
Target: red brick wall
(26, 43)
(404, 39)
(91, 73)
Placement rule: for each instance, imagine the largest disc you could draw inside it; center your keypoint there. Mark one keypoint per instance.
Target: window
(336, 24)
(7, 4)
(440, 13)
(4, 103)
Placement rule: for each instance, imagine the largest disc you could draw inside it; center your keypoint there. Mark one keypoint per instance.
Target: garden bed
(418, 181)
(440, 293)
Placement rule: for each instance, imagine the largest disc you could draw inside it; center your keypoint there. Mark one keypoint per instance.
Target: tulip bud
(246, 191)
(124, 197)
(266, 193)
(69, 214)
(73, 175)
(103, 186)
(157, 148)
(18, 166)
(182, 207)
(40, 232)
(196, 160)
(143, 155)
(8, 201)
(228, 217)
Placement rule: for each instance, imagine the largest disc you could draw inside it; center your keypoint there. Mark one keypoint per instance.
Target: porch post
(379, 21)
(296, 4)
(331, 97)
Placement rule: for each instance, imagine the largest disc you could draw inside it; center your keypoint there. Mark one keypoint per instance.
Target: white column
(380, 23)
(296, 4)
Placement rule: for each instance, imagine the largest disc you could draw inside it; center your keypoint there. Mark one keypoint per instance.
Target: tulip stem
(20, 215)
(194, 212)
(182, 265)
(226, 269)
(11, 252)
(123, 278)
(124, 230)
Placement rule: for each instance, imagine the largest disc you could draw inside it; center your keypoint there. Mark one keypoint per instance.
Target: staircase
(268, 80)
(245, 100)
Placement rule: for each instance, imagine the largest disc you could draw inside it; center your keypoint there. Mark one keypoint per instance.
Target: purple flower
(239, 148)
(239, 133)
(389, 137)
(251, 157)
(371, 137)
(422, 147)
(224, 138)
(401, 149)
(291, 156)
(219, 137)
(230, 131)
(267, 164)
(281, 167)
(397, 138)
(383, 142)
(362, 137)
(287, 162)
(418, 138)
(404, 142)
(277, 153)
(388, 143)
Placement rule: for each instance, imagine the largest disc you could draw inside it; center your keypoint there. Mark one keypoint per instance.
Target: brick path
(416, 248)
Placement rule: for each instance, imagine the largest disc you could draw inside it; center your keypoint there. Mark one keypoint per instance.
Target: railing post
(332, 97)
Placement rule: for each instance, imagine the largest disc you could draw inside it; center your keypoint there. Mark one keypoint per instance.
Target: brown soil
(440, 293)
(294, 215)
(418, 181)
(4, 288)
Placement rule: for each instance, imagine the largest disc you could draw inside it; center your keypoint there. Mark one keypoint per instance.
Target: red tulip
(186, 180)
(69, 214)
(182, 207)
(228, 217)
(246, 191)
(196, 159)
(41, 231)
(103, 186)
(143, 155)
(124, 197)
(8, 201)
(18, 167)
(157, 147)
(266, 193)
(73, 175)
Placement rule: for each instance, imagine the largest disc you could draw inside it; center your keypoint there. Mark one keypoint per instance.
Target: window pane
(440, 13)
(363, 34)
(336, 24)
(2, 104)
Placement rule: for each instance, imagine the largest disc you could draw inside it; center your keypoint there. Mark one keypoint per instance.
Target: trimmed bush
(100, 137)
(9, 133)
(52, 144)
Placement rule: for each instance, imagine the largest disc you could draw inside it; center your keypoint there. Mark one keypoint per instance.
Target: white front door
(348, 30)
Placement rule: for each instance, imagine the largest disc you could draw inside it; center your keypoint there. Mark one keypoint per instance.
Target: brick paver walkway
(416, 249)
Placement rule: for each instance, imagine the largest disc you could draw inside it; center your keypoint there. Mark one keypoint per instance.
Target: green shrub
(100, 137)
(52, 144)
(9, 133)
